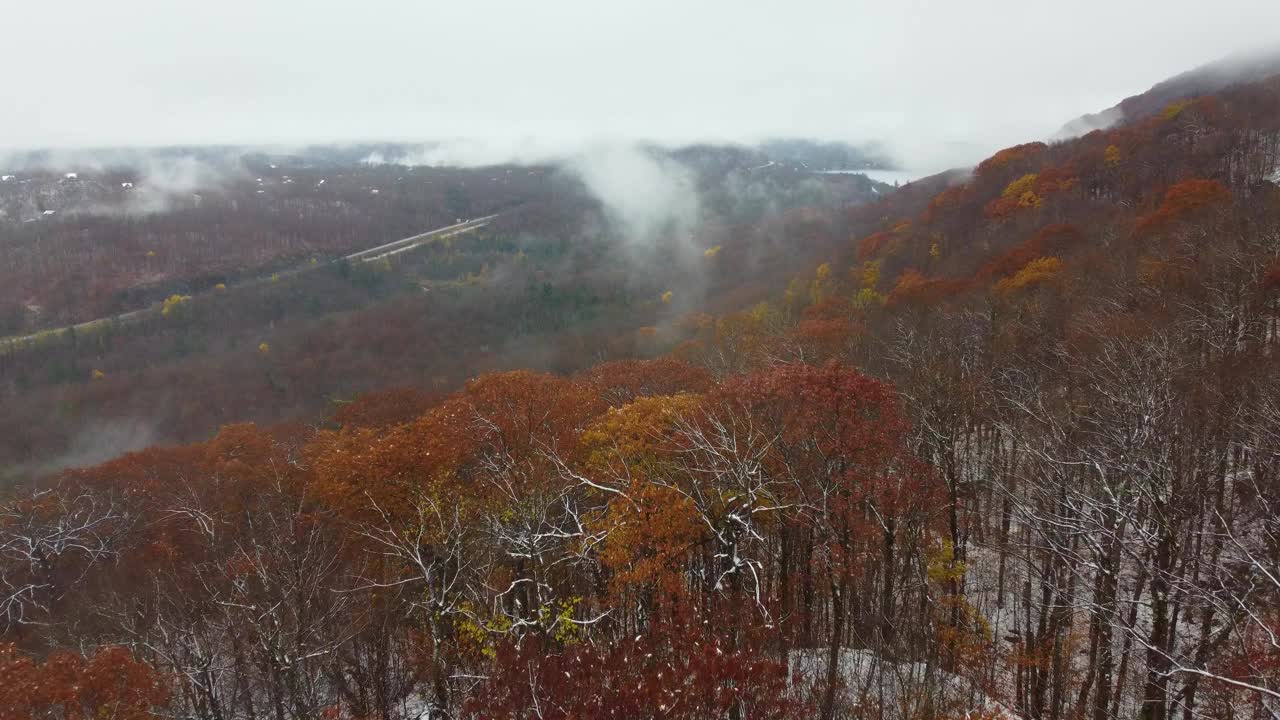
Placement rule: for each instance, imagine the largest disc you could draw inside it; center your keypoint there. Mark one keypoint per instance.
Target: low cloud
(477, 152)
(128, 181)
(102, 441)
(646, 194)
(164, 180)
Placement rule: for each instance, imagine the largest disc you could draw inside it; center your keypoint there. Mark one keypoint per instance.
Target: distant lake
(902, 177)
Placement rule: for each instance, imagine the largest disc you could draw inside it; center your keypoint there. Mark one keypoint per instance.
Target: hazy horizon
(936, 93)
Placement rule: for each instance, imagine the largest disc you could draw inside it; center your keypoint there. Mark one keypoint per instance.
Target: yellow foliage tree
(868, 279)
(870, 274)
(1021, 186)
(1111, 155)
(171, 302)
(1029, 199)
(1174, 109)
(649, 525)
(768, 317)
(820, 288)
(1033, 273)
(793, 297)
(866, 297)
(963, 632)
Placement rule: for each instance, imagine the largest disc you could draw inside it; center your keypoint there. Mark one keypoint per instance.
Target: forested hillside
(1009, 448)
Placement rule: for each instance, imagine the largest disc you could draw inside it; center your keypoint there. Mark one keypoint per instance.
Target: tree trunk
(833, 653)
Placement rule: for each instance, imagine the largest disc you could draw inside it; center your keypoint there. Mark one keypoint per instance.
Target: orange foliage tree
(1183, 201)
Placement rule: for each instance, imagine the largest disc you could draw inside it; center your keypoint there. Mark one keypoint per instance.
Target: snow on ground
(901, 177)
(896, 689)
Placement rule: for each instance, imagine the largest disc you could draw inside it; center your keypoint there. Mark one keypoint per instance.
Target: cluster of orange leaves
(1010, 155)
(948, 199)
(1033, 273)
(1051, 239)
(914, 287)
(872, 244)
(1183, 199)
(652, 531)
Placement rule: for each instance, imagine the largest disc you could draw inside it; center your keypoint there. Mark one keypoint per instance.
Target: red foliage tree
(625, 380)
(69, 686)
(384, 408)
(872, 244)
(679, 670)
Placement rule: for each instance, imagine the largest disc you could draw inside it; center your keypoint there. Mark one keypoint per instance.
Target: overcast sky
(927, 77)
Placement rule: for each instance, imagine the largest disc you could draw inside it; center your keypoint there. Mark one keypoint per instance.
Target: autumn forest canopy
(740, 437)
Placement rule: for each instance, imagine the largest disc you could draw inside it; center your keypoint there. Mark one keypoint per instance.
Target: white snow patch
(871, 681)
(890, 177)
(71, 176)
(6, 178)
